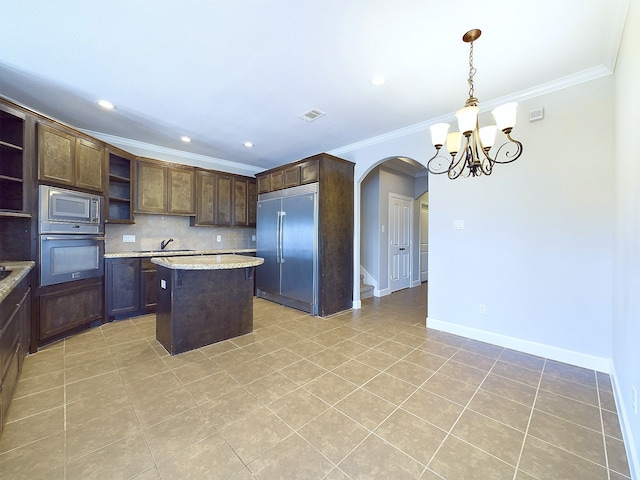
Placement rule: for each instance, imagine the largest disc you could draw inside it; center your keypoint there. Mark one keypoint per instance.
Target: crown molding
(164, 153)
(537, 91)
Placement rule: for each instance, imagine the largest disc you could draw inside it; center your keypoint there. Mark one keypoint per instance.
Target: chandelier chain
(472, 70)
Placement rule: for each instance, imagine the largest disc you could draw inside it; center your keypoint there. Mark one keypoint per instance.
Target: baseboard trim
(627, 434)
(591, 362)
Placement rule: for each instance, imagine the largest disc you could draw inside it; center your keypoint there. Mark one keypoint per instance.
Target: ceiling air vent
(312, 115)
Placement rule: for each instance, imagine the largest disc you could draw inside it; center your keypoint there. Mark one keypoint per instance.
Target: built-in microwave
(68, 211)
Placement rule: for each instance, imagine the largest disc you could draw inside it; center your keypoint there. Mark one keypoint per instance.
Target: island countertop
(207, 262)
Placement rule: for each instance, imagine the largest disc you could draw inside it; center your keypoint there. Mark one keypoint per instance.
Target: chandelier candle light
(471, 142)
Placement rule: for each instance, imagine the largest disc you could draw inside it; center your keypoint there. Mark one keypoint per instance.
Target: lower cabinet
(15, 318)
(130, 287)
(69, 305)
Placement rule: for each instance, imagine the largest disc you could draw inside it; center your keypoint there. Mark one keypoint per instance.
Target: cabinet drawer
(9, 382)
(9, 341)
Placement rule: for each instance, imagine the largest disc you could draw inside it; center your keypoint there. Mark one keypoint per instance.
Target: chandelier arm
(508, 155)
(438, 159)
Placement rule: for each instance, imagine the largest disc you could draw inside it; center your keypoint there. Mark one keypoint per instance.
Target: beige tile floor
(366, 394)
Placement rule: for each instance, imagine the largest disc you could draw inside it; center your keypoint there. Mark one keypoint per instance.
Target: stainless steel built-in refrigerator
(287, 232)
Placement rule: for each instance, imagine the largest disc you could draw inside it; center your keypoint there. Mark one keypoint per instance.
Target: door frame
(410, 201)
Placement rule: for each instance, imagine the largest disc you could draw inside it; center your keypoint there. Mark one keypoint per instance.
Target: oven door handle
(72, 237)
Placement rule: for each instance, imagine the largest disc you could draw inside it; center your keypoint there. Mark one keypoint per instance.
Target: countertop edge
(208, 262)
(20, 269)
(183, 253)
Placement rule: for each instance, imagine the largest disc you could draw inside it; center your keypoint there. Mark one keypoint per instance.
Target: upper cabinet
(66, 159)
(226, 200)
(13, 168)
(165, 189)
(290, 175)
(119, 192)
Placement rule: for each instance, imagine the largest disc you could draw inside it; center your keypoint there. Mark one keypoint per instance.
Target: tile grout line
(526, 432)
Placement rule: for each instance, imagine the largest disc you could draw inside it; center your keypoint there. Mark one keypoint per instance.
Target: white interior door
(424, 242)
(400, 214)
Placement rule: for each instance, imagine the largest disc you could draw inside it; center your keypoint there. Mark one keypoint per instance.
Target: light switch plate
(128, 238)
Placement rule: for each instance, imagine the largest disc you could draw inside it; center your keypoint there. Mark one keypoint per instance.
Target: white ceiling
(228, 71)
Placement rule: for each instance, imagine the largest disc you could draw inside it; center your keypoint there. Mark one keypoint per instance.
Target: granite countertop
(19, 270)
(207, 262)
(173, 253)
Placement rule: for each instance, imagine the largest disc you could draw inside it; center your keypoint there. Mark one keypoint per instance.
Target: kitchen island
(203, 299)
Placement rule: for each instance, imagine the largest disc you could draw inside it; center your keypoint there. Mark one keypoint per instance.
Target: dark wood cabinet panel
(152, 187)
(15, 320)
(89, 165)
(149, 288)
(240, 192)
(264, 184)
(252, 203)
(122, 286)
(309, 172)
(165, 189)
(277, 180)
(291, 176)
(205, 198)
(223, 200)
(69, 160)
(69, 305)
(56, 155)
(130, 287)
(181, 187)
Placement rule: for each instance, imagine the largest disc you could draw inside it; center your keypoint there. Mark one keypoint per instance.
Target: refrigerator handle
(281, 215)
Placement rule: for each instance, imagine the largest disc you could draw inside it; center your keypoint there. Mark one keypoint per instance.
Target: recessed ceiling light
(377, 80)
(106, 104)
(248, 144)
(185, 139)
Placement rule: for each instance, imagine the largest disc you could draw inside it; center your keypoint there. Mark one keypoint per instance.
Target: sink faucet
(165, 243)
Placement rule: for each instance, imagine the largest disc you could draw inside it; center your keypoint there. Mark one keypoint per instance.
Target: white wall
(538, 239)
(626, 312)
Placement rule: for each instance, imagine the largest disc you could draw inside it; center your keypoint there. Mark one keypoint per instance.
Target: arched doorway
(384, 259)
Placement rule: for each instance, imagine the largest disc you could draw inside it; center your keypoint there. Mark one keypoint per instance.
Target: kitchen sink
(4, 273)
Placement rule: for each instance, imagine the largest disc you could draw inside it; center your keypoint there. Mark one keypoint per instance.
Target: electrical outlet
(634, 401)
(483, 309)
(253, 238)
(128, 238)
(219, 238)
(458, 224)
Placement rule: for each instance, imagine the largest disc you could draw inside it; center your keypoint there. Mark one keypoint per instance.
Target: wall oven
(71, 235)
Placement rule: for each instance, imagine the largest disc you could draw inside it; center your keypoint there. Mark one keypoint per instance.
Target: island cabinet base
(199, 307)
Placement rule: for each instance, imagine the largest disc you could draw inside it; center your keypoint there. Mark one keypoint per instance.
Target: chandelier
(470, 147)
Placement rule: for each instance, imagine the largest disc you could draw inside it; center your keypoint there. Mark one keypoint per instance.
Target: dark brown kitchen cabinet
(240, 201)
(70, 305)
(119, 191)
(15, 316)
(14, 172)
(181, 187)
(205, 198)
(224, 202)
(122, 286)
(165, 189)
(130, 287)
(291, 175)
(66, 159)
(152, 187)
(224, 199)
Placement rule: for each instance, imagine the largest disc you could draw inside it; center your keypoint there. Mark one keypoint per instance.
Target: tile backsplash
(151, 230)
